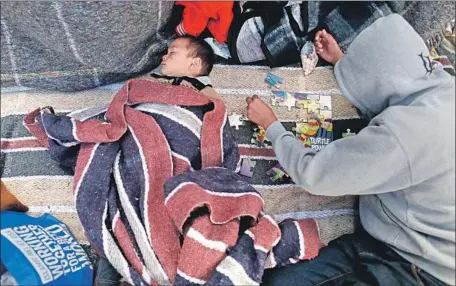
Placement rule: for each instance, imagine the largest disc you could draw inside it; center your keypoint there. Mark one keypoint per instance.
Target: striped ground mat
(38, 181)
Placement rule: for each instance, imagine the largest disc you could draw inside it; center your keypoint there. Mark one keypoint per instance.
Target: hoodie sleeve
(370, 162)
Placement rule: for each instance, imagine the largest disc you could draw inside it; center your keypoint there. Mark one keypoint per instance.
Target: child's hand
(259, 112)
(327, 47)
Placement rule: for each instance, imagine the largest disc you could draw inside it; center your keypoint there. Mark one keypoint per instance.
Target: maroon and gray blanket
(157, 192)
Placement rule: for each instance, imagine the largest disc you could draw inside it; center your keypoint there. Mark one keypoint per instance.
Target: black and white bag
(270, 33)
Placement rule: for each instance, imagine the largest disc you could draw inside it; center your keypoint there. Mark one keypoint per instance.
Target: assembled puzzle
(314, 127)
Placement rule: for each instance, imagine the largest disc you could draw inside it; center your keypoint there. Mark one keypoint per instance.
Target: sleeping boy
(189, 61)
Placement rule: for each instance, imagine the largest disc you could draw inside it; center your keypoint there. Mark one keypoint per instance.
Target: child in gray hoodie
(402, 164)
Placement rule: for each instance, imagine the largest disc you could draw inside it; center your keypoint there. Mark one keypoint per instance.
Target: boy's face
(177, 61)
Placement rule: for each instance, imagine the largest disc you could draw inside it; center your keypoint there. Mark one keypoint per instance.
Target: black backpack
(268, 32)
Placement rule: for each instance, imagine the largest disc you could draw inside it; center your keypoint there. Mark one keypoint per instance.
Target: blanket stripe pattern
(157, 194)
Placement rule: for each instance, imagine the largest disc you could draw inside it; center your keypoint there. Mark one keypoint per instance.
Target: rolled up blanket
(157, 193)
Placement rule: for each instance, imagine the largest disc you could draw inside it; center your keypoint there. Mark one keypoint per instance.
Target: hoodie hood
(399, 71)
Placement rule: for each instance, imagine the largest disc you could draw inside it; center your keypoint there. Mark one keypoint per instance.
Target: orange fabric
(217, 16)
(9, 202)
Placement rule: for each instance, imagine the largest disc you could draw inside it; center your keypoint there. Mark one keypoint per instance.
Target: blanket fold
(157, 194)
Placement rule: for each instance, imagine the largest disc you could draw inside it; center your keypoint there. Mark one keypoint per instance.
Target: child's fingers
(325, 36)
(319, 45)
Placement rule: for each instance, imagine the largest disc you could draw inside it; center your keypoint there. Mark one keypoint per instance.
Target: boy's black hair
(199, 48)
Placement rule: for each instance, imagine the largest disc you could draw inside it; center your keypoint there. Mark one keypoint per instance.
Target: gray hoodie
(402, 164)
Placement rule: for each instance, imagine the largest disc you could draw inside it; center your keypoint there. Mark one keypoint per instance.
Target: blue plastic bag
(42, 251)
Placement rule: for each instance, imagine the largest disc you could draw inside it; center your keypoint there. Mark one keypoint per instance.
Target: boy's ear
(196, 64)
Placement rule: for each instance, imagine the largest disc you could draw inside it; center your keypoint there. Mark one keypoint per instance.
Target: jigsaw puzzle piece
(235, 120)
(289, 102)
(348, 134)
(272, 83)
(278, 96)
(308, 129)
(327, 124)
(278, 175)
(283, 98)
(325, 102)
(275, 77)
(259, 137)
(304, 115)
(326, 114)
(280, 93)
(313, 106)
(301, 100)
(273, 80)
(247, 167)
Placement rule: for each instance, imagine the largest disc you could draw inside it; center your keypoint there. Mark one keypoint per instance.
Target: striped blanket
(46, 186)
(157, 194)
